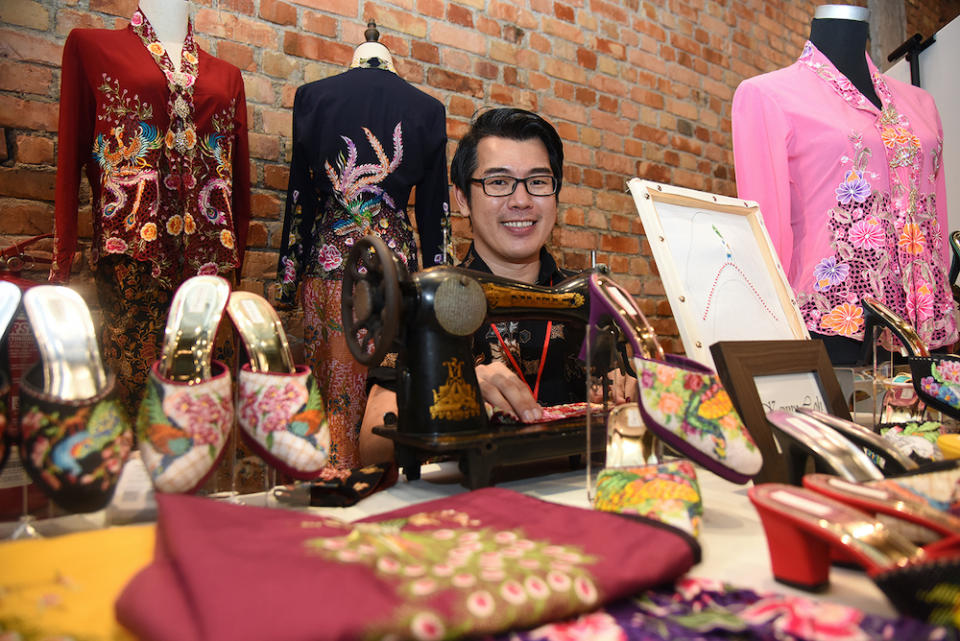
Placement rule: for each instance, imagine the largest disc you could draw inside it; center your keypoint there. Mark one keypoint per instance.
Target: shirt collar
(549, 272)
(819, 64)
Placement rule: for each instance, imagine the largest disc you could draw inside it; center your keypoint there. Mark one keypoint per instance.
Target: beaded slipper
(74, 434)
(186, 415)
(280, 412)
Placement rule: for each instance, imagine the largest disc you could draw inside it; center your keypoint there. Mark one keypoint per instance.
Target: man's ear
(462, 204)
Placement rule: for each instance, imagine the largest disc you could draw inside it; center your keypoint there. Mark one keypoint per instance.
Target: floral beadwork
(183, 428)
(74, 450)
(693, 407)
(283, 417)
(943, 383)
(493, 579)
(667, 492)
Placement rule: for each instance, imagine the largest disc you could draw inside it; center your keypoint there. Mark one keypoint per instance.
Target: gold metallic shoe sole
(261, 332)
(61, 322)
(191, 329)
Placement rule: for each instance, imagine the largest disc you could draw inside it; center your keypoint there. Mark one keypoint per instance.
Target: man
(507, 172)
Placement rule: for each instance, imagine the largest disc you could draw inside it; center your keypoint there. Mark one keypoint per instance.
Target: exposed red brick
(276, 176)
(70, 19)
(443, 79)
(266, 205)
(34, 150)
(27, 183)
(320, 23)
(28, 114)
(586, 58)
(425, 51)
(564, 12)
(236, 54)
(460, 15)
(304, 46)
(349, 8)
(278, 12)
(240, 6)
(264, 146)
(26, 47)
(123, 8)
(24, 77)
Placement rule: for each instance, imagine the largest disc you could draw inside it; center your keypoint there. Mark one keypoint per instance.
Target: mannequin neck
(372, 54)
(844, 43)
(169, 20)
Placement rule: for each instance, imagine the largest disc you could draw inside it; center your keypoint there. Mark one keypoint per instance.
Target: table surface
(734, 547)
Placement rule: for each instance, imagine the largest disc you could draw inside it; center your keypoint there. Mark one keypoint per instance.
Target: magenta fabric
(853, 197)
(477, 563)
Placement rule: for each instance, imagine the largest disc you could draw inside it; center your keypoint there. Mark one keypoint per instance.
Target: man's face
(509, 229)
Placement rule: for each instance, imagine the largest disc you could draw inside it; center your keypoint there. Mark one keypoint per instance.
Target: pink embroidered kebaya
(853, 196)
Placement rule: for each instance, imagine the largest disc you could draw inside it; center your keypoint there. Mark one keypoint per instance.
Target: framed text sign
(761, 376)
(720, 272)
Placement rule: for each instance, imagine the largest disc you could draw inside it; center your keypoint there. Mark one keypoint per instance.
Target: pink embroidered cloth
(477, 563)
(853, 197)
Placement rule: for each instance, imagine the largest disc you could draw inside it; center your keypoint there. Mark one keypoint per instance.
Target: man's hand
(623, 388)
(505, 390)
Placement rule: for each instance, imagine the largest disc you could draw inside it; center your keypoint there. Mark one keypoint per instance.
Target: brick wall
(635, 89)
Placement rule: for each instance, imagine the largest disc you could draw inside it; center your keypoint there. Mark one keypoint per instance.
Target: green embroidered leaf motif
(269, 440)
(315, 399)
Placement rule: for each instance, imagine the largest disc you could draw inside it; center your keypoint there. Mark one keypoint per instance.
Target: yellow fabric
(949, 444)
(67, 585)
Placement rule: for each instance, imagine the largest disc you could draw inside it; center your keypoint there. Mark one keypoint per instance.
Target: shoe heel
(798, 559)
(191, 328)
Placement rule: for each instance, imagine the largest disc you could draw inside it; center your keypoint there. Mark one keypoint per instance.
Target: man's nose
(520, 196)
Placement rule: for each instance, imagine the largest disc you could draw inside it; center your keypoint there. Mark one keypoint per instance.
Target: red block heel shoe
(890, 504)
(802, 527)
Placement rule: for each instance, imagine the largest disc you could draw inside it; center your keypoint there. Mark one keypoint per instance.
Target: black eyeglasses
(542, 185)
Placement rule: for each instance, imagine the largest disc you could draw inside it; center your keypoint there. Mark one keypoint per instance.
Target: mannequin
(845, 164)
(840, 32)
(362, 141)
(371, 53)
(159, 128)
(169, 19)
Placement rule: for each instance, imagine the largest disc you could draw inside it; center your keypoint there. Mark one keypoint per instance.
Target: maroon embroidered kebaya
(165, 151)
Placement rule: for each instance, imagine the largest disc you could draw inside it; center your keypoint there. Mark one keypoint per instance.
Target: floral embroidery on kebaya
(845, 319)
(357, 186)
(920, 301)
(911, 239)
(828, 273)
(867, 234)
(884, 239)
(498, 579)
(853, 188)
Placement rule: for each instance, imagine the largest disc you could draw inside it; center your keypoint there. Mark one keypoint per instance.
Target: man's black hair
(511, 123)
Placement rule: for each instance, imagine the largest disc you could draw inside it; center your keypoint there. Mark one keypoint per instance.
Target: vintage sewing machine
(429, 319)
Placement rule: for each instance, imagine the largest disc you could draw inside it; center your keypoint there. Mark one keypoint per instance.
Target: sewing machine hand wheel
(371, 300)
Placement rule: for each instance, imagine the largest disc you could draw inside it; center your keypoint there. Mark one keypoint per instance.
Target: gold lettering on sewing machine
(455, 400)
(500, 296)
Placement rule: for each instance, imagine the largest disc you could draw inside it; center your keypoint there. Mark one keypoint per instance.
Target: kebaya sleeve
(300, 211)
(74, 143)
(761, 136)
(241, 175)
(940, 189)
(432, 208)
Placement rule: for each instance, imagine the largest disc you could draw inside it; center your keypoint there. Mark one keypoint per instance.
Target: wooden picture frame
(720, 271)
(764, 375)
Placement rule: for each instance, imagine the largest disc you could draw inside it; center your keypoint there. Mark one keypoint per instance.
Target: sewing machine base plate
(480, 452)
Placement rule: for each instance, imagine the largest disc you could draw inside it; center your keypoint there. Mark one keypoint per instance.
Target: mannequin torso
(169, 19)
(844, 41)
